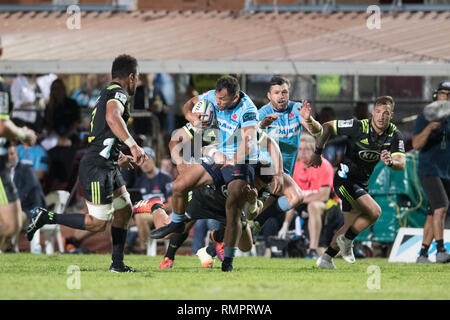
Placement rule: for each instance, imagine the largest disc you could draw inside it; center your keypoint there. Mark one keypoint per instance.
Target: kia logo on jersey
(369, 155)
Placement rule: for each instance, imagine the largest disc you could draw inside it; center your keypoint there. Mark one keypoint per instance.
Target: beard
(437, 110)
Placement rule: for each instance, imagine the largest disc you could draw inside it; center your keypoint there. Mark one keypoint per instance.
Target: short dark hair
(385, 100)
(278, 81)
(123, 65)
(230, 83)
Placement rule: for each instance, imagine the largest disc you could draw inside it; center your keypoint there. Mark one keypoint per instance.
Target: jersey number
(92, 117)
(105, 153)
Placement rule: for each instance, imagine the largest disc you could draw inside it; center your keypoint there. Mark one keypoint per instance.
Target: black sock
(72, 220)
(211, 250)
(331, 252)
(440, 245)
(175, 242)
(228, 260)
(424, 250)
(350, 234)
(119, 237)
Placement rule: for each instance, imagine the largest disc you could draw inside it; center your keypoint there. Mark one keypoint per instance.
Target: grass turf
(27, 276)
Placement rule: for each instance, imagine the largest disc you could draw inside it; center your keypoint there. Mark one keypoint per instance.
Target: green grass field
(27, 276)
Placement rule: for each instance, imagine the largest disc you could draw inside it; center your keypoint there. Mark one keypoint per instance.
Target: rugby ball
(204, 106)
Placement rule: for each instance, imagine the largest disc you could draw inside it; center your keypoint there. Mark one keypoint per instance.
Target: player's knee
(99, 216)
(315, 207)
(245, 247)
(375, 213)
(9, 229)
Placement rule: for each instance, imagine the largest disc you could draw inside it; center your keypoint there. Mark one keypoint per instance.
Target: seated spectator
(62, 120)
(151, 183)
(168, 167)
(87, 95)
(320, 201)
(26, 182)
(35, 156)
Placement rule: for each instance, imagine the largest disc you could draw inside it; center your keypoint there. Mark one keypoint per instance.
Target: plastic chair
(56, 201)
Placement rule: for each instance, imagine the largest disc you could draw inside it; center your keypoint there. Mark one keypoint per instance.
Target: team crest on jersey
(121, 97)
(291, 115)
(369, 155)
(234, 116)
(345, 123)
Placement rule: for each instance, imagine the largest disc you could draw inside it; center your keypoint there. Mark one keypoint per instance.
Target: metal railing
(332, 6)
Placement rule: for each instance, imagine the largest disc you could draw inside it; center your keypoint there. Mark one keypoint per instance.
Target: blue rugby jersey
(286, 130)
(231, 121)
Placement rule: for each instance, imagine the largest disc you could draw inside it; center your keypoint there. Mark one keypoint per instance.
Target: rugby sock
(119, 236)
(424, 250)
(283, 203)
(350, 234)
(440, 245)
(229, 255)
(211, 250)
(331, 252)
(176, 218)
(175, 242)
(72, 220)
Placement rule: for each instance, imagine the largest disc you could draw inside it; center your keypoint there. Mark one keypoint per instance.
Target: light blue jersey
(231, 121)
(286, 130)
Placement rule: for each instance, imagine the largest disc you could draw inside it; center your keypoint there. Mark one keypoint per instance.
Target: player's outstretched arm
(312, 125)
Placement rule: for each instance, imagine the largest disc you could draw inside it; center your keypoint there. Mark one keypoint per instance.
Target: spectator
(148, 98)
(24, 95)
(165, 83)
(168, 167)
(361, 111)
(26, 182)
(152, 183)
(87, 95)
(320, 201)
(432, 139)
(62, 120)
(35, 156)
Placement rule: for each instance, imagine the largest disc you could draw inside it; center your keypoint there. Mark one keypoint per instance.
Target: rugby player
(369, 140)
(106, 195)
(284, 120)
(10, 207)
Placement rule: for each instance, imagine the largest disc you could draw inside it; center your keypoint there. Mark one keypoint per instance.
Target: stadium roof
(408, 43)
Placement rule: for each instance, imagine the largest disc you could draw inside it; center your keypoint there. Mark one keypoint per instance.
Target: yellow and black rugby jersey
(364, 147)
(5, 108)
(103, 144)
